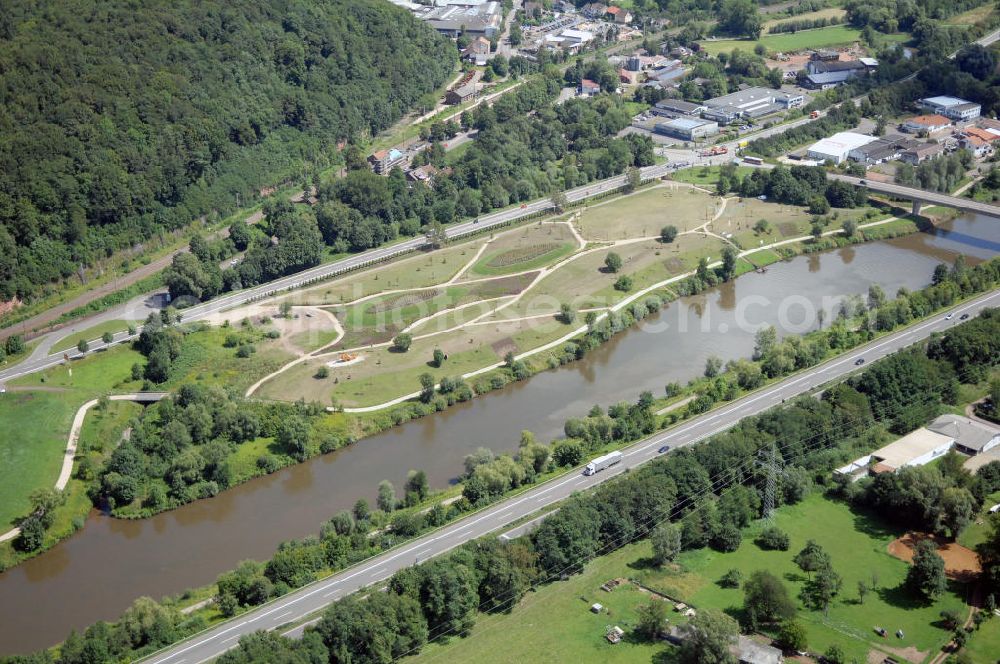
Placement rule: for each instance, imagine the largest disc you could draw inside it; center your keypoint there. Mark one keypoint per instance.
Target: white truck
(602, 462)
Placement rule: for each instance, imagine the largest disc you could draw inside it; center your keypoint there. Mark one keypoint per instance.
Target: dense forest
(702, 496)
(526, 147)
(122, 120)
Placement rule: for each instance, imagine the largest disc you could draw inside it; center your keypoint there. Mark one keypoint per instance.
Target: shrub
(773, 539)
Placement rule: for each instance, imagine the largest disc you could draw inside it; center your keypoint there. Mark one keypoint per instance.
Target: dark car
(963, 317)
(665, 448)
(858, 362)
(862, 182)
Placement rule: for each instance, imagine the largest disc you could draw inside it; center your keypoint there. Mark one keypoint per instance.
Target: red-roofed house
(588, 88)
(978, 141)
(928, 123)
(619, 15)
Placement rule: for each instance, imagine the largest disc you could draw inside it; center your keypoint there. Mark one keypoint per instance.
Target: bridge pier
(916, 206)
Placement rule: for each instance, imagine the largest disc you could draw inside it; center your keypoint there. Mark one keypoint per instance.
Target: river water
(99, 571)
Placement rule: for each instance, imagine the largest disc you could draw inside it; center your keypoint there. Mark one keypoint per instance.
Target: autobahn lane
(320, 272)
(302, 603)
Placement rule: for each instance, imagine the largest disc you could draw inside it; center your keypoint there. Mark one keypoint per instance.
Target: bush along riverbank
(710, 490)
(189, 447)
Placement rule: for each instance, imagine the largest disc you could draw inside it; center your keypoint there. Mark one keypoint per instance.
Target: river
(99, 571)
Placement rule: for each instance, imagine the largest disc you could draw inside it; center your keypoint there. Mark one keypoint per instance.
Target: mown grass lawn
(833, 35)
(33, 428)
(857, 545)
(984, 644)
(90, 334)
(979, 529)
(554, 625)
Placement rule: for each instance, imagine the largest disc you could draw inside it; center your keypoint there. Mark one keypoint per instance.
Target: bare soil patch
(960, 563)
(402, 300)
(499, 287)
(504, 346)
(788, 229)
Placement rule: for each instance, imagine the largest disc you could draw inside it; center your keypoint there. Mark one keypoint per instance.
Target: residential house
(926, 123)
(477, 48)
(980, 142)
(461, 94)
(594, 10)
(383, 161)
(952, 108)
(920, 154)
(533, 9)
(619, 15)
(588, 88)
(970, 436)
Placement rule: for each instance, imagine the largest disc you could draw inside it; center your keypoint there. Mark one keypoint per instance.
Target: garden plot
(522, 249)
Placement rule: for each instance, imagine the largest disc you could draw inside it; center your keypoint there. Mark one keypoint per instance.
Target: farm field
(856, 542)
(834, 35)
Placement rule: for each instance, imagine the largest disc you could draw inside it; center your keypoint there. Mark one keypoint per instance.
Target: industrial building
(952, 108)
(688, 129)
(970, 436)
(837, 147)
(677, 108)
(750, 103)
(481, 20)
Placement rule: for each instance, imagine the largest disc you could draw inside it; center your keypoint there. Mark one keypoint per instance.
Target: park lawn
(643, 214)
(667, 261)
(834, 35)
(458, 317)
(91, 333)
(977, 531)
(554, 624)
(857, 545)
(384, 374)
(983, 645)
(705, 176)
(526, 248)
(422, 269)
(32, 444)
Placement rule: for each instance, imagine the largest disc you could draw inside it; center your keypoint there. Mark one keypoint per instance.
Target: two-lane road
(308, 600)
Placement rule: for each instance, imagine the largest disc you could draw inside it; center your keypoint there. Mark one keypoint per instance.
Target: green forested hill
(119, 119)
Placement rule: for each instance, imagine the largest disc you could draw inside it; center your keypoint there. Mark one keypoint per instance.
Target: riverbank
(341, 429)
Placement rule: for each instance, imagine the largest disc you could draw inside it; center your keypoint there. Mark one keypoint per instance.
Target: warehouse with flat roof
(688, 129)
(837, 147)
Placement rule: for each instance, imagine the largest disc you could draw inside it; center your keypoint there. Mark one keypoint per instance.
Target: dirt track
(960, 563)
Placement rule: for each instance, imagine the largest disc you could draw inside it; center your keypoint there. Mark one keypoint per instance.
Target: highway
(364, 259)
(306, 601)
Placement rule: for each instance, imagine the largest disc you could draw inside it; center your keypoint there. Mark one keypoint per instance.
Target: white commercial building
(837, 147)
(952, 108)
